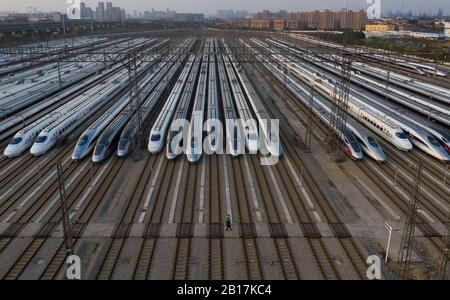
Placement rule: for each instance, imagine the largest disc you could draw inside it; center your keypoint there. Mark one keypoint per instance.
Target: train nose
(36, 150)
(77, 155)
(405, 145)
(381, 157)
(170, 155)
(154, 148)
(9, 151)
(122, 152)
(444, 156)
(97, 159)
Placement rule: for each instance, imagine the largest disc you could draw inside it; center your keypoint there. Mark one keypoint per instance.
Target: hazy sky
(210, 6)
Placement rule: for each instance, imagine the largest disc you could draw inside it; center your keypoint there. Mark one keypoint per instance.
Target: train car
(24, 138)
(347, 139)
(194, 147)
(56, 132)
(234, 142)
(129, 133)
(270, 137)
(159, 130)
(183, 111)
(108, 140)
(212, 114)
(248, 123)
(86, 142)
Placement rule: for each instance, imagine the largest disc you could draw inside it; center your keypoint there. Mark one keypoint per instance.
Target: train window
(155, 137)
(41, 139)
(401, 135)
(372, 141)
(433, 141)
(83, 140)
(98, 149)
(16, 141)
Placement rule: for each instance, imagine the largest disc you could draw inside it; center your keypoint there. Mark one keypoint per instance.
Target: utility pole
(67, 227)
(406, 244)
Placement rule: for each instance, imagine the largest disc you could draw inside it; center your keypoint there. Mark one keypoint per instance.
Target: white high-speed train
(373, 121)
(129, 131)
(248, 123)
(419, 137)
(194, 143)
(160, 128)
(86, 142)
(176, 128)
(234, 145)
(66, 124)
(348, 140)
(272, 142)
(23, 139)
(212, 113)
(436, 110)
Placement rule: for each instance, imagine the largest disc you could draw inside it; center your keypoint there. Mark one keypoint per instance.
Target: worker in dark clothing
(228, 223)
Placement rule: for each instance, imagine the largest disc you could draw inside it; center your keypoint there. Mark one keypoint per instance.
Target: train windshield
(83, 140)
(401, 135)
(155, 137)
(16, 141)
(433, 141)
(354, 143)
(372, 141)
(99, 148)
(123, 144)
(41, 139)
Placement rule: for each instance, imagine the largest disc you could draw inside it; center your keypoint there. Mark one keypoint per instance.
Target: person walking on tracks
(228, 223)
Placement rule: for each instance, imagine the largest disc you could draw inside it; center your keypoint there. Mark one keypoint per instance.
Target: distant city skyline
(210, 7)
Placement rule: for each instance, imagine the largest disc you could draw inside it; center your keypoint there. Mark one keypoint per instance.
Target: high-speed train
(348, 139)
(234, 142)
(386, 129)
(367, 112)
(129, 133)
(430, 139)
(23, 139)
(436, 110)
(248, 123)
(106, 144)
(160, 128)
(422, 69)
(176, 142)
(271, 138)
(212, 113)
(48, 137)
(86, 142)
(34, 93)
(194, 142)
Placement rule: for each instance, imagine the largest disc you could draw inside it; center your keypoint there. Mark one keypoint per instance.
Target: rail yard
(362, 144)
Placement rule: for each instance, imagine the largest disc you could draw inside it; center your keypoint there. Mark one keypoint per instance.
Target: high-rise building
(313, 19)
(100, 12)
(83, 10)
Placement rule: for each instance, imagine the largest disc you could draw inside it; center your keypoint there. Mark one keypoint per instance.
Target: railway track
(318, 197)
(53, 268)
(423, 225)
